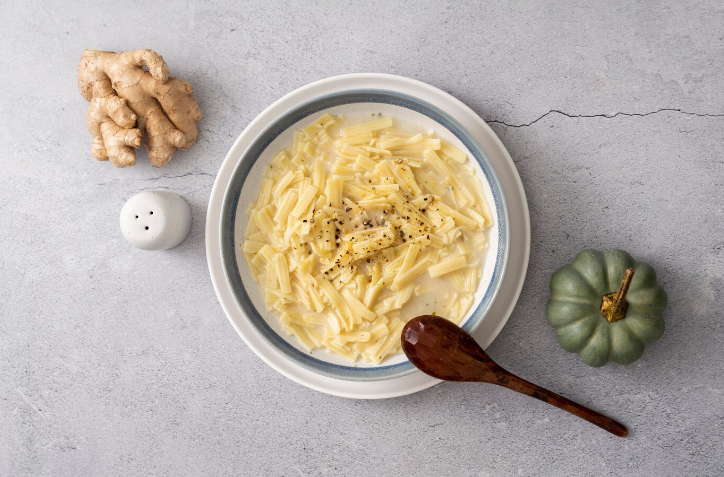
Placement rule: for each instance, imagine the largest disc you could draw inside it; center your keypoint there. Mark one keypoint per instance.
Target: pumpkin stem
(614, 305)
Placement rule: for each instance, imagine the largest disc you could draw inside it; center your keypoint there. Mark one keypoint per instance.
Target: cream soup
(362, 224)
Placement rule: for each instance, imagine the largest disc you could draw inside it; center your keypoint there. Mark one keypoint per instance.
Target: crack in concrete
(605, 116)
(158, 178)
(177, 177)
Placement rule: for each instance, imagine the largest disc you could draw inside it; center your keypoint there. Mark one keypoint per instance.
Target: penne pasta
(347, 221)
(306, 198)
(453, 152)
(375, 125)
(448, 265)
(290, 198)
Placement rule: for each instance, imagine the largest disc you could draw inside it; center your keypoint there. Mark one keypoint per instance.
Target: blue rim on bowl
(231, 204)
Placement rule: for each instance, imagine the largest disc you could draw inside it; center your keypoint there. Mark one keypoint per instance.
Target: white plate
(519, 231)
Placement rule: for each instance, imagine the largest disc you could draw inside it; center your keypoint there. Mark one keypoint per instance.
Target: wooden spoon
(441, 349)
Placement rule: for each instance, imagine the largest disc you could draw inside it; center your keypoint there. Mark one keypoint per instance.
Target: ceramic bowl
(243, 188)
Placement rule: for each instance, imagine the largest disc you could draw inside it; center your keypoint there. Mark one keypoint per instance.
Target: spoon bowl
(442, 350)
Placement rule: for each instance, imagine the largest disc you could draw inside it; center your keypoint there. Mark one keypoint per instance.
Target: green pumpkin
(610, 283)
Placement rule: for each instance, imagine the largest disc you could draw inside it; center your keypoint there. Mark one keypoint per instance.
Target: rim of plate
(257, 147)
(520, 241)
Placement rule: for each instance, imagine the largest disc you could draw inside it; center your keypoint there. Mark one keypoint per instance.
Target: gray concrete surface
(119, 362)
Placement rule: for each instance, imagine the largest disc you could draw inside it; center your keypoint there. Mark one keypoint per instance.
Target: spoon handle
(515, 383)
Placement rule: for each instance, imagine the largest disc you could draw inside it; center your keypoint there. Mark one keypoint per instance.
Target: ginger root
(127, 101)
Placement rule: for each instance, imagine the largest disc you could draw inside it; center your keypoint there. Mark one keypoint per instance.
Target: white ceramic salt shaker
(155, 220)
